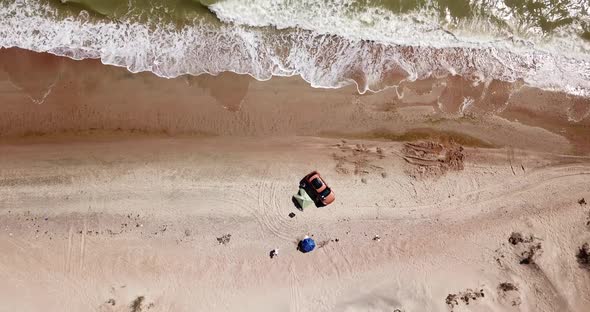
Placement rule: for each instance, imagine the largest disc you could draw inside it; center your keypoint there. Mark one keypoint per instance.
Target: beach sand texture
(115, 187)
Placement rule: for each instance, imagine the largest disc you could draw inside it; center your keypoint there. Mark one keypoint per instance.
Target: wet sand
(115, 186)
(43, 94)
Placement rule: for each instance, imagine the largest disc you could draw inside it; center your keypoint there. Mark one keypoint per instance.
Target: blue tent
(306, 245)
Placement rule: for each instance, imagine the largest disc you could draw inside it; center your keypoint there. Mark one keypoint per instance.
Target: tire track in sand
(263, 202)
(275, 220)
(511, 186)
(68, 260)
(295, 290)
(43, 267)
(238, 202)
(82, 247)
(244, 200)
(74, 261)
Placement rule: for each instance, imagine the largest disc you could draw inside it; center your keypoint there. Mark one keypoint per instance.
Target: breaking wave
(430, 23)
(331, 55)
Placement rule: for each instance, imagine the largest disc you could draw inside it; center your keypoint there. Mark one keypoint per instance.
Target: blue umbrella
(306, 245)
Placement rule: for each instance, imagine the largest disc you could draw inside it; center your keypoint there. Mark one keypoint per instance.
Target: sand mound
(432, 159)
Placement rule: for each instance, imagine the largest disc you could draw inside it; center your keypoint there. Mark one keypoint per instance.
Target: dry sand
(114, 190)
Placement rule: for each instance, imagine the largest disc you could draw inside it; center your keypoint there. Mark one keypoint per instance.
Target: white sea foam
(324, 60)
(340, 18)
(423, 27)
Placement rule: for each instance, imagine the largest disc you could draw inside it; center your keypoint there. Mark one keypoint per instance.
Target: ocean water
(373, 44)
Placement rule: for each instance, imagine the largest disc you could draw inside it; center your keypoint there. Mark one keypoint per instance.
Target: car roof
(321, 182)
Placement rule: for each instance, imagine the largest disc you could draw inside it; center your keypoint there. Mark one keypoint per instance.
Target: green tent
(303, 199)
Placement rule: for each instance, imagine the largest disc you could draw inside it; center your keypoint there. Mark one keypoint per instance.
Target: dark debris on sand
(137, 304)
(517, 238)
(224, 239)
(508, 293)
(507, 287)
(465, 297)
(527, 247)
(528, 256)
(583, 256)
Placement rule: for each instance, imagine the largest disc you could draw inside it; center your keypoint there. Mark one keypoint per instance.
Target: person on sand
(274, 253)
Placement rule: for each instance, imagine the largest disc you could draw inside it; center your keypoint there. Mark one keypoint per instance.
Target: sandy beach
(116, 189)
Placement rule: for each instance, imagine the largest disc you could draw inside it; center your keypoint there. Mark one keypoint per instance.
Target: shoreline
(373, 60)
(78, 96)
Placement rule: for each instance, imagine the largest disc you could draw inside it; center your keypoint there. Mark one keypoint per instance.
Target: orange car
(317, 189)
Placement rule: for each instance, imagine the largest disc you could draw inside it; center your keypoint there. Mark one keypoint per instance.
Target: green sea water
(177, 11)
(329, 43)
(546, 15)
